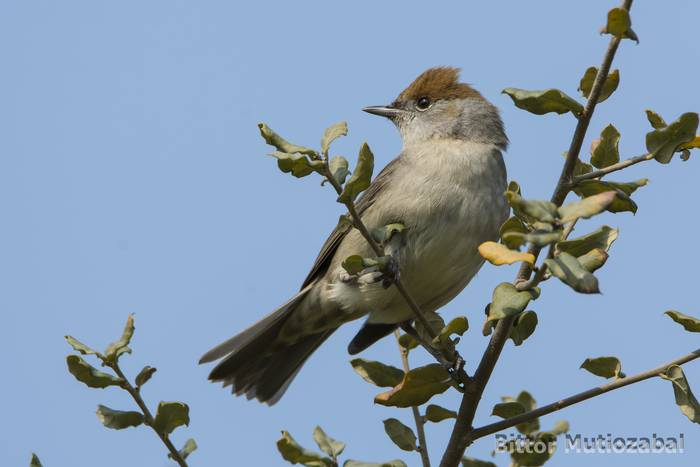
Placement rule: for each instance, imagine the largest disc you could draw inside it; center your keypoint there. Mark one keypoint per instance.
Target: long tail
(256, 364)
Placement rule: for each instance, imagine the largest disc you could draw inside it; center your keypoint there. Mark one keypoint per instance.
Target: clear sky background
(133, 180)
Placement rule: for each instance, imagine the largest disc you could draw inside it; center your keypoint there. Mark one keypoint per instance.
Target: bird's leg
(391, 272)
(454, 368)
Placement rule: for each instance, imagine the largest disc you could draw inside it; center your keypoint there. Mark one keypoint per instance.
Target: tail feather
(273, 321)
(256, 364)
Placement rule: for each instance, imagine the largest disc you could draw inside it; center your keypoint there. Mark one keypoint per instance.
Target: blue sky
(133, 180)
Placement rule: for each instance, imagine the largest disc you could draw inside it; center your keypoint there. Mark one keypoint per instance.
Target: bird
(447, 189)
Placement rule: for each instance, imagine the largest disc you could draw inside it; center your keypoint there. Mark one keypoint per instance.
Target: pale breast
(449, 195)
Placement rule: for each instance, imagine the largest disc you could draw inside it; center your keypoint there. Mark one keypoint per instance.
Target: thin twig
(463, 425)
(459, 375)
(612, 168)
(492, 428)
(420, 422)
(148, 417)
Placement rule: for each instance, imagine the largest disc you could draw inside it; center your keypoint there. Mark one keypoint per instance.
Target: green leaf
(593, 260)
(605, 151)
(499, 254)
(508, 409)
(188, 448)
(622, 202)
(539, 238)
(377, 373)
(118, 419)
(297, 164)
(408, 342)
(543, 211)
(690, 323)
(606, 367)
(512, 225)
(664, 142)
(400, 434)
(542, 102)
(89, 375)
(361, 177)
(471, 462)
(527, 401)
(602, 238)
(353, 264)
(171, 415)
(587, 207)
(332, 133)
(681, 390)
(327, 444)
(508, 301)
(116, 349)
(394, 463)
(568, 270)
(523, 327)
(282, 145)
(458, 325)
(417, 387)
(79, 346)
(619, 24)
(611, 83)
(34, 461)
(435, 413)
(292, 452)
(338, 165)
(382, 235)
(144, 375)
(656, 121)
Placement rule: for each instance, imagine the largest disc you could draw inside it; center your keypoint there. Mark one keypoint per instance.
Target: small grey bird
(446, 187)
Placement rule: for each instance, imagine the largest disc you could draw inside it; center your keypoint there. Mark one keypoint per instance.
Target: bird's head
(437, 106)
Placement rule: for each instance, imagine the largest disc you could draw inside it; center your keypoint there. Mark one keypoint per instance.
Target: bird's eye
(423, 103)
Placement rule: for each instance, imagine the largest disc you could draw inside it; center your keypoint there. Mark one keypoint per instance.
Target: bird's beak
(387, 111)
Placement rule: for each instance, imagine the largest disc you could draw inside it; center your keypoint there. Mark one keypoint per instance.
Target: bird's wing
(368, 198)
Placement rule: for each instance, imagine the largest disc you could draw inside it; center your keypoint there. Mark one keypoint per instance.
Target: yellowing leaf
(417, 387)
(693, 144)
(618, 22)
(499, 254)
(377, 373)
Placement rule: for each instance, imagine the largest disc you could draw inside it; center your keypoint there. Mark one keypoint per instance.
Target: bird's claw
(391, 272)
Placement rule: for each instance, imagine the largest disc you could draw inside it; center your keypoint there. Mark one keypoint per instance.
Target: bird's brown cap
(438, 83)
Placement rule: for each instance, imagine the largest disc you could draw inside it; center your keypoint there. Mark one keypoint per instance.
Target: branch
(148, 417)
(470, 401)
(420, 422)
(613, 168)
(575, 399)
